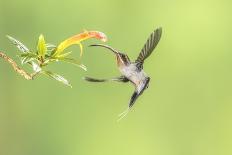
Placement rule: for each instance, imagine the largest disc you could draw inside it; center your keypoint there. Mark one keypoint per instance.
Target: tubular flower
(76, 39)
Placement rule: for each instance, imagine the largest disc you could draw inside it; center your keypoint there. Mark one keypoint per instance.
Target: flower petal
(76, 39)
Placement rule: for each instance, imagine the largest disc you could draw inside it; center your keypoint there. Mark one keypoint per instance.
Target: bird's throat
(122, 60)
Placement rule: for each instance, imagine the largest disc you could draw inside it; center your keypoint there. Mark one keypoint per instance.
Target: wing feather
(149, 46)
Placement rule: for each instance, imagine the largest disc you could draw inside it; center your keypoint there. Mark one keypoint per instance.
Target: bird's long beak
(106, 46)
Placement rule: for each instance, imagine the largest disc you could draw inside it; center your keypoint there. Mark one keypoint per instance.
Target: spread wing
(149, 46)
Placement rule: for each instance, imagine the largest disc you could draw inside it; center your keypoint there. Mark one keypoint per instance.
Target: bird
(132, 71)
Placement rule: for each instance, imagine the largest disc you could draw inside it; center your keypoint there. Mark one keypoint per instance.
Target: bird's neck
(122, 61)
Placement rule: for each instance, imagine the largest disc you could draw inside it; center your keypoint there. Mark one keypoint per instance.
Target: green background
(186, 110)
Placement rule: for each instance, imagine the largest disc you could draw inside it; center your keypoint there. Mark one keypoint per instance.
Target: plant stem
(17, 68)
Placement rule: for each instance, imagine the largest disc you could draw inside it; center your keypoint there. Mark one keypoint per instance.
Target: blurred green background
(186, 110)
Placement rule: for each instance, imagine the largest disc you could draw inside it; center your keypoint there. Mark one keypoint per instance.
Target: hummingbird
(132, 71)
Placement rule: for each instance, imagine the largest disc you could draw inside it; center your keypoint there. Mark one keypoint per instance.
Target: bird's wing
(90, 79)
(149, 46)
(118, 79)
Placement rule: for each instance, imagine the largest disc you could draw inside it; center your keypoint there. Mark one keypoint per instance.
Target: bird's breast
(133, 74)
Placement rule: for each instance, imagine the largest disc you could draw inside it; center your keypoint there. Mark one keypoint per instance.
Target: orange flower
(76, 39)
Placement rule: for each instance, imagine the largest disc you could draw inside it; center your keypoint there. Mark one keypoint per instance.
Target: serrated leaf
(57, 77)
(18, 44)
(41, 46)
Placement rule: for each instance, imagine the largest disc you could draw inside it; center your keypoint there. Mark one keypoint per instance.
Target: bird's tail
(132, 101)
(123, 114)
(133, 98)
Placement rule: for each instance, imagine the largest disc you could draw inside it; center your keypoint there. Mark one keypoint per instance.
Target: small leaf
(26, 60)
(76, 39)
(57, 77)
(30, 54)
(18, 44)
(28, 57)
(41, 46)
(50, 47)
(36, 67)
(64, 55)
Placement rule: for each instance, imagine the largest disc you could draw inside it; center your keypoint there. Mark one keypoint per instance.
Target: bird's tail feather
(123, 114)
(133, 98)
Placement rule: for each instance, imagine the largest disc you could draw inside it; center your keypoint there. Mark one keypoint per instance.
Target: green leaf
(72, 61)
(50, 47)
(28, 54)
(41, 46)
(57, 77)
(25, 60)
(28, 57)
(64, 55)
(18, 44)
(35, 67)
